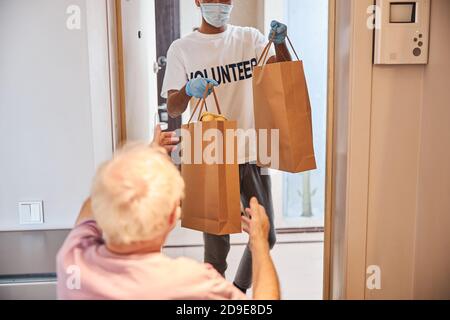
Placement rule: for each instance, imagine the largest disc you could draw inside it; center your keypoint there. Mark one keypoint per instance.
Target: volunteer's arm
(278, 35)
(178, 100)
(266, 285)
(283, 53)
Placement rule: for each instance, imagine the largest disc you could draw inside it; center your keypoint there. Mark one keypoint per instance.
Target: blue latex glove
(278, 33)
(197, 87)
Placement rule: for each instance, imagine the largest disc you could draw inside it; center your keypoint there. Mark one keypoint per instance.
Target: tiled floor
(298, 259)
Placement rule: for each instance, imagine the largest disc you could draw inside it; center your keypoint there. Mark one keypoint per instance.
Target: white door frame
(140, 80)
(350, 152)
(100, 74)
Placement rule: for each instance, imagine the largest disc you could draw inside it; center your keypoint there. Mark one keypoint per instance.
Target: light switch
(31, 212)
(24, 213)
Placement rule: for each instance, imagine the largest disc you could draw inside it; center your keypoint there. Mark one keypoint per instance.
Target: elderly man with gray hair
(115, 250)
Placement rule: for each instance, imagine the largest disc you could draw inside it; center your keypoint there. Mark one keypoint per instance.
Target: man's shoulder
(248, 35)
(183, 45)
(246, 31)
(185, 40)
(233, 29)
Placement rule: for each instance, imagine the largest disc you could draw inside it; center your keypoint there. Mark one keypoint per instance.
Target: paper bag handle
(203, 103)
(266, 51)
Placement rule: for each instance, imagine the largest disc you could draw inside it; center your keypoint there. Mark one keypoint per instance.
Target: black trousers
(253, 184)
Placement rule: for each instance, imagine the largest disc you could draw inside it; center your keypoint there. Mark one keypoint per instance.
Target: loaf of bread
(208, 116)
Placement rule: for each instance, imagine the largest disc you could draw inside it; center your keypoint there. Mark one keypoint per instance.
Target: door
(140, 87)
(167, 31)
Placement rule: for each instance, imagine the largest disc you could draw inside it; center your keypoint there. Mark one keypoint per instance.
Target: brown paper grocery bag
(212, 196)
(281, 101)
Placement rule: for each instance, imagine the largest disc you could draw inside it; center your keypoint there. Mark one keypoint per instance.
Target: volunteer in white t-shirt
(224, 56)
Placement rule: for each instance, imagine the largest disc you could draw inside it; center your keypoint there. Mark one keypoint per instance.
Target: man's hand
(278, 35)
(278, 32)
(257, 224)
(265, 279)
(166, 140)
(197, 87)
(178, 100)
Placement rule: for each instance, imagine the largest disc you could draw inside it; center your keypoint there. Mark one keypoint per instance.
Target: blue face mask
(216, 14)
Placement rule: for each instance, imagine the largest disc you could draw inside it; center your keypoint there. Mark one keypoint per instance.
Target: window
(301, 197)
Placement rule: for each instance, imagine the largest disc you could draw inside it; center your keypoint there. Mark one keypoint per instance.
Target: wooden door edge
(329, 156)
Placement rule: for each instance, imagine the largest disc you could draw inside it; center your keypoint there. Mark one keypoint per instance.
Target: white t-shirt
(229, 58)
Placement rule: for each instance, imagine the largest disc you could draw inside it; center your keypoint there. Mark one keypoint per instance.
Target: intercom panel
(402, 32)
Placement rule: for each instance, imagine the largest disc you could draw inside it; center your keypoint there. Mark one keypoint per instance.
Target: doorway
(300, 201)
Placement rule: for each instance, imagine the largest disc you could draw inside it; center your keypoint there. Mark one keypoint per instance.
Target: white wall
(46, 129)
(410, 172)
(392, 164)
(432, 258)
(248, 13)
(272, 10)
(190, 17)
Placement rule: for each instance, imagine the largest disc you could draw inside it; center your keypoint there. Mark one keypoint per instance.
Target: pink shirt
(88, 270)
